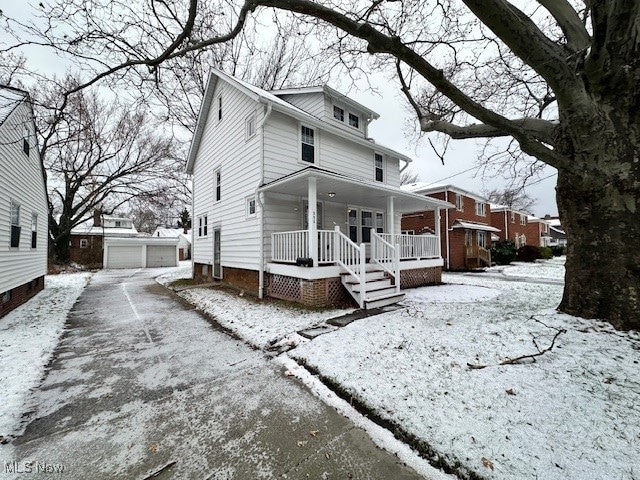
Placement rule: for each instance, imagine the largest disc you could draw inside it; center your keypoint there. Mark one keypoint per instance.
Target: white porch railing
(352, 258)
(414, 246)
(288, 247)
(386, 256)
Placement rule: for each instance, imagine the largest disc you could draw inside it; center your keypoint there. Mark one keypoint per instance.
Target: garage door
(124, 256)
(161, 256)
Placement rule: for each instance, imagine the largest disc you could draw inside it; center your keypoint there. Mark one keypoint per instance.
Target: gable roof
(279, 105)
(10, 98)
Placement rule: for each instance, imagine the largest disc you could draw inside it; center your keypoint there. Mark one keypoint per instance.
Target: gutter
(259, 201)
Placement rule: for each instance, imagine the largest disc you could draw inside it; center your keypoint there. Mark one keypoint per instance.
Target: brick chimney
(547, 217)
(97, 218)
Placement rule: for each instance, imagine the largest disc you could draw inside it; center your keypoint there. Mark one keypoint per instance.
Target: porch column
(312, 215)
(391, 218)
(436, 217)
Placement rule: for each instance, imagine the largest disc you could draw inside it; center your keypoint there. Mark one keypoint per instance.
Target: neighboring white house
(23, 203)
(292, 199)
(183, 236)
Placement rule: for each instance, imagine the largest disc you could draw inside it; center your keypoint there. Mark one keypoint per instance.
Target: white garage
(140, 252)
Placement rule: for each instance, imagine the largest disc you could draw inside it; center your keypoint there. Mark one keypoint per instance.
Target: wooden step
(383, 300)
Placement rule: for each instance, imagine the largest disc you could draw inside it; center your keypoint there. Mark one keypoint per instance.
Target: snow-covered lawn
(28, 336)
(552, 269)
(574, 413)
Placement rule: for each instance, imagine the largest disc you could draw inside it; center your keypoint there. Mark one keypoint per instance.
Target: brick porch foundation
(19, 295)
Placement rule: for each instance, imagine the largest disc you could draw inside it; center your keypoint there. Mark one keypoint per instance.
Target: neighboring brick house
(538, 228)
(520, 227)
(86, 246)
(466, 231)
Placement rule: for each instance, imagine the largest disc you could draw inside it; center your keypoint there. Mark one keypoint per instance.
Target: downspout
(260, 204)
(446, 226)
(406, 164)
(506, 227)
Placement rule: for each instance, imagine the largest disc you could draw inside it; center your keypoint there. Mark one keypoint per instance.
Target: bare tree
(514, 198)
(408, 177)
(100, 155)
(557, 77)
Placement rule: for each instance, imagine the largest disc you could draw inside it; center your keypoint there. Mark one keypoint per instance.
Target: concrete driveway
(143, 386)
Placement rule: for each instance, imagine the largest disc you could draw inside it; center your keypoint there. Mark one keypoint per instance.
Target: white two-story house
(23, 203)
(292, 199)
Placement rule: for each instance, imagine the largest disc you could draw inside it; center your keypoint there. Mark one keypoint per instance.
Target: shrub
(546, 253)
(503, 253)
(557, 251)
(528, 253)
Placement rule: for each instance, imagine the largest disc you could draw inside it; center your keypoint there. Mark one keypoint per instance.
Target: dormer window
(338, 113)
(354, 120)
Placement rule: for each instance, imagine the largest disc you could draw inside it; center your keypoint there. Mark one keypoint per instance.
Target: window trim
(34, 231)
(382, 169)
(459, 202)
(481, 209)
(248, 121)
(523, 220)
(357, 120)
(14, 228)
(513, 217)
(314, 145)
(333, 112)
(84, 243)
(203, 230)
(219, 107)
(374, 213)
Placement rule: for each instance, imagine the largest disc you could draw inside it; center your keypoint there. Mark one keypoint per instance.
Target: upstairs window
(202, 226)
(25, 139)
(354, 120)
(83, 243)
(523, 220)
(338, 113)
(251, 126)
(251, 207)
(459, 202)
(379, 161)
(218, 180)
(307, 141)
(34, 230)
(513, 217)
(220, 108)
(480, 209)
(15, 225)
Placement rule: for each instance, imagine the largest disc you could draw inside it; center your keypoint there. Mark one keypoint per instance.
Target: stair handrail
(349, 253)
(378, 246)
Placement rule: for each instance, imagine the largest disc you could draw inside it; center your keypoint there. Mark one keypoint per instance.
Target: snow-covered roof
(531, 218)
(10, 98)
(106, 231)
(502, 208)
(555, 222)
(173, 233)
(474, 226)
(268, 98)
(427, 188)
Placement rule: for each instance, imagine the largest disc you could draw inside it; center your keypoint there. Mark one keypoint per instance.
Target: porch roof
(335, 187)
(474, 226)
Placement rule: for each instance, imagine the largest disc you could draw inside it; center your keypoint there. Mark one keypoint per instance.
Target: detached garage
(140, 252)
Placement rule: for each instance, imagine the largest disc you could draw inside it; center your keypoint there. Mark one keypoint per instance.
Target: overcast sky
(391, 129)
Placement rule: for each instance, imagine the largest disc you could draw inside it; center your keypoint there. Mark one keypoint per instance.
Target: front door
(217, 269)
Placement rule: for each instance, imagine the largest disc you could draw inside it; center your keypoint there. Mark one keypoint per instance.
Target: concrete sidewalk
(144, 386)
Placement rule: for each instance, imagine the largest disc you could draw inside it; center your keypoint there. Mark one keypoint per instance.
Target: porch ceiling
(352, 191)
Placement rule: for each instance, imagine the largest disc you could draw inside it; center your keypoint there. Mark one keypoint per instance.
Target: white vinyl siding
(312, 103)
(224, 146)
(21, 182)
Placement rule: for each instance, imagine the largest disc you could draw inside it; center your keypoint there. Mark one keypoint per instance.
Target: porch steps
(380, 292)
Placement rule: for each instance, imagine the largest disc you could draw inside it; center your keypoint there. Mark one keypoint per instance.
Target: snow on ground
(552, 269)
(28, 336)
(259, 323)
(573, 413)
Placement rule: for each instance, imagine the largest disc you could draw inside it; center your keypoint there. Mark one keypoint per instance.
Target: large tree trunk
(603, 259)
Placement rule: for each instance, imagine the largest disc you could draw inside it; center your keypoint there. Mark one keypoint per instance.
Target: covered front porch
(364, 247)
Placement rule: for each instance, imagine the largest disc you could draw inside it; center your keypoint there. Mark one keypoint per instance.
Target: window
(251, 207)
(15, 225)
(468, 238)
(459, 202)
(379, 222)
(83, 243)
(251, 126)
(338, 113)
(220, 108)
(308, 144)
(305, 214)
(523, 219)
(354, 120)
(34, 230)
(353, 225)
(480, 209)
(379, 163)
(218, 177)
(513, 217)
(202, 226)
(25, 139)
(408, 232)
(367, 224)
(482, 239)
(118, 223)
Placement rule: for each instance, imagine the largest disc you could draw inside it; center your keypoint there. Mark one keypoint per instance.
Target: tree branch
(577, 36)
(541, 129)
